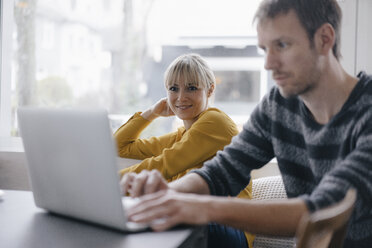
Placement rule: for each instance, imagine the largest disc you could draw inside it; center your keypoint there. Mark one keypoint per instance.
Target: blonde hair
(191, 69)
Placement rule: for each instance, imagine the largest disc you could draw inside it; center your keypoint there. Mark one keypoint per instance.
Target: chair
(326, 227)
(270, 188)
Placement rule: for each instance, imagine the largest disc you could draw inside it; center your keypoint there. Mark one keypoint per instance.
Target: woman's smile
(184, 107)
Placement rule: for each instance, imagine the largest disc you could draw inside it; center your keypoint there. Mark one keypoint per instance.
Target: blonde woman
(189, 83)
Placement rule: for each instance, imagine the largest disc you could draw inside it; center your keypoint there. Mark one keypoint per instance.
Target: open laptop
(72, 165)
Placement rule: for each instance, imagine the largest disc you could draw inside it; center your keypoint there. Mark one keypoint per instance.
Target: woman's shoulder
(217, 118)
(215, 113)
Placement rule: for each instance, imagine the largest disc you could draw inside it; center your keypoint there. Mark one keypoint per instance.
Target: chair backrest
(270, 188)
(326, 227)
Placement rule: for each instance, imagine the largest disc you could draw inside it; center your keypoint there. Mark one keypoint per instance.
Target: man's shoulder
(365, 81)
(362, 75)
(361, 95)
(274, 101)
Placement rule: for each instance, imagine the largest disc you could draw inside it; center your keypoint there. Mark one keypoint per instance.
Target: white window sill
(14, 144)
(11, 144)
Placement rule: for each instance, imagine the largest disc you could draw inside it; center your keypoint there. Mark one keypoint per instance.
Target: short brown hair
(311, 13)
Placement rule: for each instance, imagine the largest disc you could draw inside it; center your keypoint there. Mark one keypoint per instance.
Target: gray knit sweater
(318, 162)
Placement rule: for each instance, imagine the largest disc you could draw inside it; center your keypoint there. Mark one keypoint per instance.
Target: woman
(189, 82)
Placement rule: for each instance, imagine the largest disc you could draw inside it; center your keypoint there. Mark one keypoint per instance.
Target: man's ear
(325, 38)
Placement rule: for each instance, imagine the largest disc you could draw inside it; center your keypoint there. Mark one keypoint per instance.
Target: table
(22, 224)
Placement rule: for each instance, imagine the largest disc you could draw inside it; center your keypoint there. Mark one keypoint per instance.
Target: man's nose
(271, 60)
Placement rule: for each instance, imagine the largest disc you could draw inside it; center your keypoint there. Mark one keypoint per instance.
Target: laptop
(72, 165)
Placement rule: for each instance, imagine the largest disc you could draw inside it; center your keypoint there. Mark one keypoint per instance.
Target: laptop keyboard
(129, 201)
(132, 226)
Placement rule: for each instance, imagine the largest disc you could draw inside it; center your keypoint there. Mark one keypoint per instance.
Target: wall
(356, 36)
(13, 173)
(348, 34)
(364, 38)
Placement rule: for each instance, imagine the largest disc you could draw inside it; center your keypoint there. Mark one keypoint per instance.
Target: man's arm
(264, 217)
(174, 204)
(190, 183)
(279, 217)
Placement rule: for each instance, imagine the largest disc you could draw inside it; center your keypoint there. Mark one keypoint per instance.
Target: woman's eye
(192, 88)
(173, 88)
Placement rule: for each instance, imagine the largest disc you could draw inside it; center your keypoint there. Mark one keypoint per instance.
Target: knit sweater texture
(318, 163)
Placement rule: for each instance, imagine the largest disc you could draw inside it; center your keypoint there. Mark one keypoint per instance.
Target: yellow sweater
(174, 154)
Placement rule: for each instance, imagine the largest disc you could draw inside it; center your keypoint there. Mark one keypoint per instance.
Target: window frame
(6, 30)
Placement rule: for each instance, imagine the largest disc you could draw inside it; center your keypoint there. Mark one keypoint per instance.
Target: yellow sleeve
(210, 133)
(130, 146)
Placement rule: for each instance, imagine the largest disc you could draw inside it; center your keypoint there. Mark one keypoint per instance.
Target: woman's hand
(160, 108)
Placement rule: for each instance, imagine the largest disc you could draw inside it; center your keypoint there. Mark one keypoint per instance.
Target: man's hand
(165, 205)
(146, 182)
(167, 208)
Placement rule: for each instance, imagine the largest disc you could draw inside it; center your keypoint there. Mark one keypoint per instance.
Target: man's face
(289, 54)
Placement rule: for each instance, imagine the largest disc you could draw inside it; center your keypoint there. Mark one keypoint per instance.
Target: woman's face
(187, 101)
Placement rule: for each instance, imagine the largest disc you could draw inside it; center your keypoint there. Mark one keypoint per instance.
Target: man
(317, 122)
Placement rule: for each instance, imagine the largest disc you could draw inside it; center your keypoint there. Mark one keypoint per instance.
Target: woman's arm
(127, 136)
(131, 146)
(210, 133)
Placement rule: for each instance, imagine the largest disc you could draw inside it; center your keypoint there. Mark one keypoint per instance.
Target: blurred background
(112, 54)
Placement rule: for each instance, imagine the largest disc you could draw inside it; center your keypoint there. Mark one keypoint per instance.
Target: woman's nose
(181, 95)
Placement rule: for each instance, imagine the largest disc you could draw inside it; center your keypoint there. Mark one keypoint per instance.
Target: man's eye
(282, 44)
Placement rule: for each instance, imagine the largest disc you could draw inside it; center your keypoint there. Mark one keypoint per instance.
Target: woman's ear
(325, 38)
(210, 90)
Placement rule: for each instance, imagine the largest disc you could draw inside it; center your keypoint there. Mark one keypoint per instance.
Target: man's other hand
(146, 182)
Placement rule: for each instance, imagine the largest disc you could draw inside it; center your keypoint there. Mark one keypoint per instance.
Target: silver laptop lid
(72, 163)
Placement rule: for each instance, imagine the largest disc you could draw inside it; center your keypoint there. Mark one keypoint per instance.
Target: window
(6, 20)
(112, 54)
